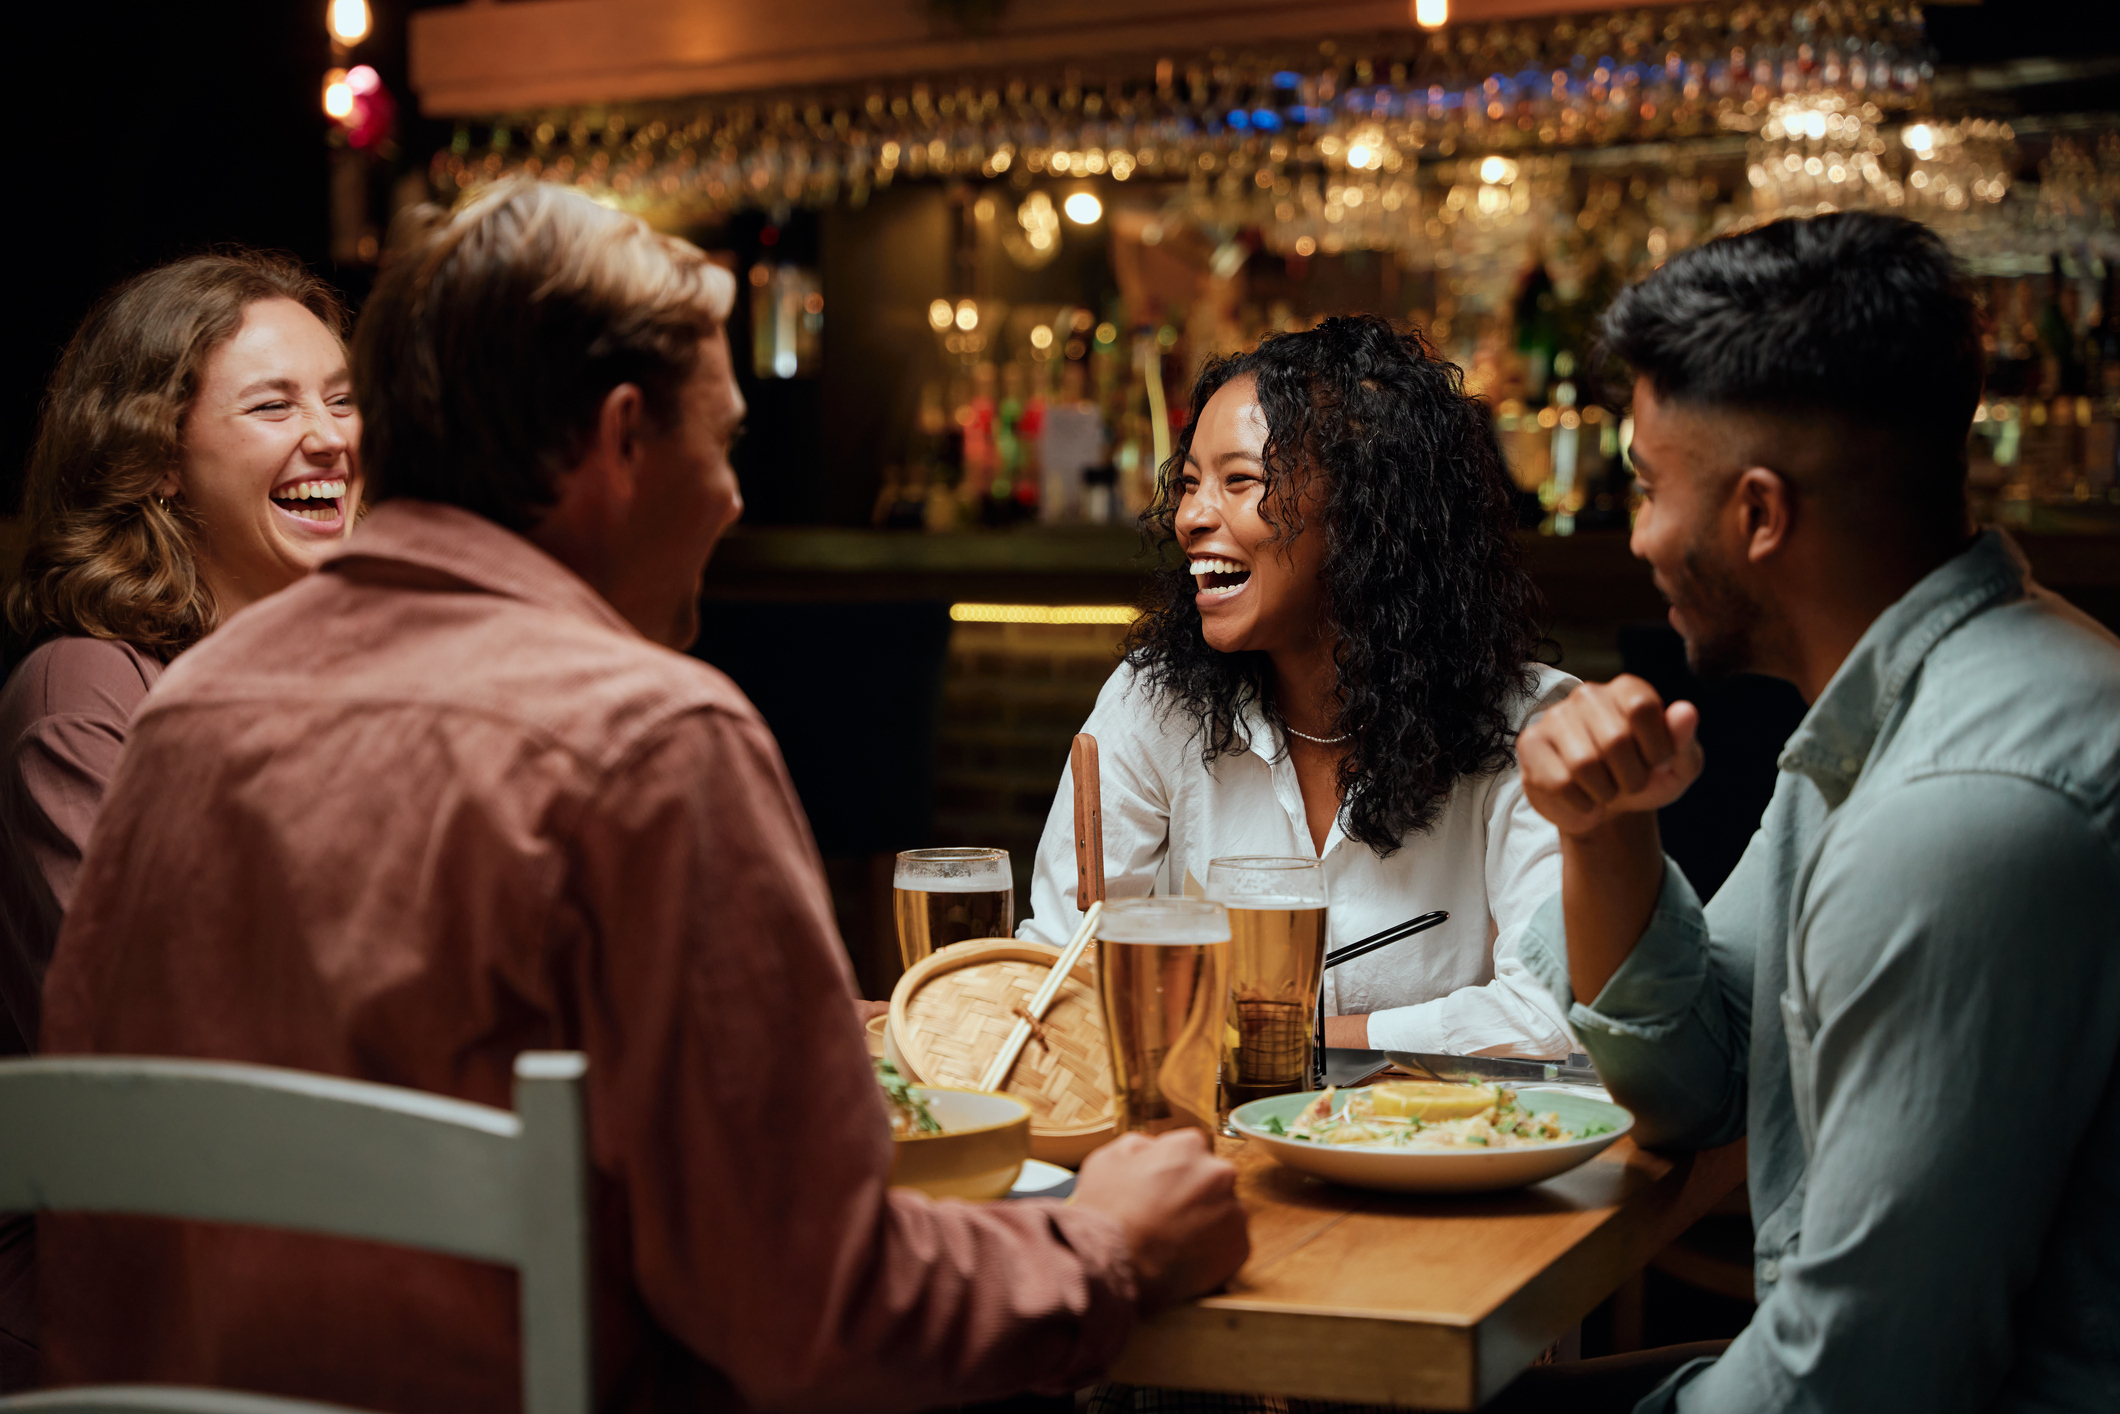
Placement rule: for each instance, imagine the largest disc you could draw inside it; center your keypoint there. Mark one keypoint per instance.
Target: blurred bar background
(985, 245)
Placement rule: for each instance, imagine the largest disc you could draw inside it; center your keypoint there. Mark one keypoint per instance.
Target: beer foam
(981, 872)
(1163, 920)
(1268, 903)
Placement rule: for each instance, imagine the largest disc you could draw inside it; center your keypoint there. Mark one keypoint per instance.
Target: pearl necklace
(1320, 740)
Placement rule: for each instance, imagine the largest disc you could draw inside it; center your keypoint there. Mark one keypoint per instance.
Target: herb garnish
(899, 1091)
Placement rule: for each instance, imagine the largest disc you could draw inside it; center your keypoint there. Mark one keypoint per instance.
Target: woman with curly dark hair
(1339, 671)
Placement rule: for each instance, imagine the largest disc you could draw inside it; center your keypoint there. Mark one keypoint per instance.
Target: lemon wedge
(1428, 1100)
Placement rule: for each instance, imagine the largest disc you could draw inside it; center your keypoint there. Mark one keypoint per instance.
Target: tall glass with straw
(1276, 967)
(1163, 973)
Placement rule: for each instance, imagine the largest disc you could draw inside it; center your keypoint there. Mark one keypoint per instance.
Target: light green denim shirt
(1907, 995)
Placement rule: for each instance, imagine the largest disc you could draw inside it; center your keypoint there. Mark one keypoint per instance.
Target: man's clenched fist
(1608, 749)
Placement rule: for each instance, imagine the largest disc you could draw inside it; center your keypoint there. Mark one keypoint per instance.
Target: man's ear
(1764, 505)
(621, 427)
(596, 493)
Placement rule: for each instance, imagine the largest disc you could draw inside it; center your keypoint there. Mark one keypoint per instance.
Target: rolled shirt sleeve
(1669, 1032)
(733, 1104)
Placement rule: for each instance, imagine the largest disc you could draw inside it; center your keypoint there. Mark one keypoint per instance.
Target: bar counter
(1587, 579)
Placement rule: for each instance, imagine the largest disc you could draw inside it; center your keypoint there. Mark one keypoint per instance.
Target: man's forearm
(1610, 879)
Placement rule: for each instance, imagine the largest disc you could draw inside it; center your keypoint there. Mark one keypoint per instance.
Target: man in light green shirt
(1907, 995)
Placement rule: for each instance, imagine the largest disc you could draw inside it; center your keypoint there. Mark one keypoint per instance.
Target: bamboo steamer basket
(950, 1013)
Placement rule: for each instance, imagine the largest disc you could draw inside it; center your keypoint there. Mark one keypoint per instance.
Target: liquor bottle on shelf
(1537, 337)
(1002, 503)
(1072, 440)
(2101, 453)
(976, 417)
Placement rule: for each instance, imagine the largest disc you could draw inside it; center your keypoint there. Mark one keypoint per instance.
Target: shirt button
(1849, 765)
(1770, 1271)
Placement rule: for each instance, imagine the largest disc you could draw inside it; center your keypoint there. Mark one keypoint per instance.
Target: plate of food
(1421, 1136)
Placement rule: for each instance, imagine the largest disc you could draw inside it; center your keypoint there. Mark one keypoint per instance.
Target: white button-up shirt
(1489, 860)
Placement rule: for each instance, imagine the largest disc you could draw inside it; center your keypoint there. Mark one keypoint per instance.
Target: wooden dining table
(1435, 1301)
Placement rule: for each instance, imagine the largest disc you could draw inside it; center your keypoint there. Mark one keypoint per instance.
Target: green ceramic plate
(1418, 1170)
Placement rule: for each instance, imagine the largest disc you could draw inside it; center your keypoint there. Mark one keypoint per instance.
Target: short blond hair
(493, 337)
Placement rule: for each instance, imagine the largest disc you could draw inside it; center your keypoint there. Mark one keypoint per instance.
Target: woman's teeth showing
(1220, 578)
(294, 499)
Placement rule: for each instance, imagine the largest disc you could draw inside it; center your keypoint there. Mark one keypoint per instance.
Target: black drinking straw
(1397, 932)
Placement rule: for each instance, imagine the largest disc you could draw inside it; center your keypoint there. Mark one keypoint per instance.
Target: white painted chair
(288, 1149)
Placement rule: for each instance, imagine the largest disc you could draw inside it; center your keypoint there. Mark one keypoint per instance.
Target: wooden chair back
(223, 1142)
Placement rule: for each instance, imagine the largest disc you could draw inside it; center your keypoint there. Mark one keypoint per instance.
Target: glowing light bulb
(940, 314)
(1082, 208)
(1042, 337)
(362, 79)
(967, 316)
(1814, 125)
(347, 20)
(338, 96)
(1358, 155)
(1431, 14)
(1920, 137)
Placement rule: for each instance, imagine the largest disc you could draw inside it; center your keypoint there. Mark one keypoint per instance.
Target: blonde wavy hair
(496, 331)
(107, 557)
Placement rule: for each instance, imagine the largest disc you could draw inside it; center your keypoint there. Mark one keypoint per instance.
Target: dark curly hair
(1431, 609)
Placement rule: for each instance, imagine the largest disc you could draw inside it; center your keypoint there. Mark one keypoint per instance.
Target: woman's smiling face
(268, 467)
(1255, 593)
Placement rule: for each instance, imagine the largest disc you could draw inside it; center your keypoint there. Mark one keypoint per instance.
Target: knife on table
(1480, 1070)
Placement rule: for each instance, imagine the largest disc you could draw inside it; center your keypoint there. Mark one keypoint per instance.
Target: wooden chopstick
(1397, 932)
(1089, 896)
(1041, 1001)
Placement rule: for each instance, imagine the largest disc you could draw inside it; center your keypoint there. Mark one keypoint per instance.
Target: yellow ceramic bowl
(985, 1139)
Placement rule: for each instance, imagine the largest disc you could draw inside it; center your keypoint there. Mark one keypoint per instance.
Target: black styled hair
(1432, 611)
(1857, 315)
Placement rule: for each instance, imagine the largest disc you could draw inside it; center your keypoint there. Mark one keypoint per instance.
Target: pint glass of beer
(943, 896)
(1163, 972)
(1276, 965)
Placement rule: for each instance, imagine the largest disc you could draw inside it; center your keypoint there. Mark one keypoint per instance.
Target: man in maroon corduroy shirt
(457, 797)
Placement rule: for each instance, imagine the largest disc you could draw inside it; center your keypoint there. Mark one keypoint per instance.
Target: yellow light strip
(1041, 613)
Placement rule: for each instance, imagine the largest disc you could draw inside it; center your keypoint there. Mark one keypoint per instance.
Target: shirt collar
(1834, 739)
(472, 549)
